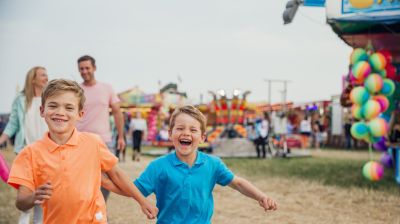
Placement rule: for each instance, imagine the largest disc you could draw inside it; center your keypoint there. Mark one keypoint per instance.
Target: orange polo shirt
(74, 170)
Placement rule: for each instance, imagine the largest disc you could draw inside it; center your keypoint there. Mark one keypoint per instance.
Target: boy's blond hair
(191, 111)
(56, 86)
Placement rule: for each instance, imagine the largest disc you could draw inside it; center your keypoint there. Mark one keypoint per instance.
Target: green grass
(344, 173)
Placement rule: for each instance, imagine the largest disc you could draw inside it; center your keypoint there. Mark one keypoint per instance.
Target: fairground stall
(372, 28)
(372, 91)
(155, 108)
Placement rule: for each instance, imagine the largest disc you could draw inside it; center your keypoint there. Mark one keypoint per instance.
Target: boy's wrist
(140, 199)
(261, 198)
(143, 202)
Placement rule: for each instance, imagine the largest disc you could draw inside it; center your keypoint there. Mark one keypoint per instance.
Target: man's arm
(127, 188)
(248, 189)
(119, 124)
(26, 198)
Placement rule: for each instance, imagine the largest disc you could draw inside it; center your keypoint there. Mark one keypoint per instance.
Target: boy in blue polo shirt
(183, 181)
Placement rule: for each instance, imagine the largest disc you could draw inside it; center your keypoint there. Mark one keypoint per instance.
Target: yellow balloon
(361, 4)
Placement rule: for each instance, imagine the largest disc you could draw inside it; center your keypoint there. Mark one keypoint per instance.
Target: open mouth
(185, 142)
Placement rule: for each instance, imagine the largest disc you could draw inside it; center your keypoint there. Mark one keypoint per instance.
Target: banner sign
(315, 3)
(357, 6)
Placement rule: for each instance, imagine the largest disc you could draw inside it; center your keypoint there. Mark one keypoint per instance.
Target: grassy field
(328, 171)
(325, 188)
(332, 167)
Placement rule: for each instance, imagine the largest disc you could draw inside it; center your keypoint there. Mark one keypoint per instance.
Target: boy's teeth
(185, 142)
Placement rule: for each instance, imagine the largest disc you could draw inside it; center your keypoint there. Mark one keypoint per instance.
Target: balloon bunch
(373, 75)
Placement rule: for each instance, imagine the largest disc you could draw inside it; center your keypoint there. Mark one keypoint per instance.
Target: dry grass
(299, 201)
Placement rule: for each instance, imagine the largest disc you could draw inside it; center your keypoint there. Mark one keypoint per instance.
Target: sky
(208, 45)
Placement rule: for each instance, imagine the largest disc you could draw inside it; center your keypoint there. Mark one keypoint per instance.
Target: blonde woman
(26, 123)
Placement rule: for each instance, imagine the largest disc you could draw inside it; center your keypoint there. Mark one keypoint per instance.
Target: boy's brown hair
(191, 111)
(56, 86)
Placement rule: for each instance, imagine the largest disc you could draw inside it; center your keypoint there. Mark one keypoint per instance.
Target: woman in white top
(26, 123)
(138, 128)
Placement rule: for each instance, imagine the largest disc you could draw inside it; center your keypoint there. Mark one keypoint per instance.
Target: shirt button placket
(62, 161)
(185, 194)
(186, 190)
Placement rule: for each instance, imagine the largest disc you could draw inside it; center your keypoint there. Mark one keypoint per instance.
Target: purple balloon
(387, 160)
(380, 145)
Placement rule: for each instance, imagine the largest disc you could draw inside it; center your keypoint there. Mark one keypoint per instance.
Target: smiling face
(40, 79)
(87, 69)
(186, 135)
(61, 112)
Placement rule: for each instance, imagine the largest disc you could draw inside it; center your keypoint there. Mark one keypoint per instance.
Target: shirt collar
(200, 158)
(52, 146)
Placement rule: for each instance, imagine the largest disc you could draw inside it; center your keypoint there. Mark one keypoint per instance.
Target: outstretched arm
(127, 188)
(107, 183)
(26, 198)
(248, 189)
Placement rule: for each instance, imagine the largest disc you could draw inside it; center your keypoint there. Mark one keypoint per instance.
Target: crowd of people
(269, 130)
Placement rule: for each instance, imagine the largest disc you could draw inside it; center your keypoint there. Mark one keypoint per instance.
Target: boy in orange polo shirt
(63, 170)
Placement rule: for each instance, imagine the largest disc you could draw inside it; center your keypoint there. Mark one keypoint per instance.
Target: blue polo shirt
(184, 195)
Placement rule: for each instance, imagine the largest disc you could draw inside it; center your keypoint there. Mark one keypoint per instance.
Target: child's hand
(268, 203)
(42, 193)
(149, 210)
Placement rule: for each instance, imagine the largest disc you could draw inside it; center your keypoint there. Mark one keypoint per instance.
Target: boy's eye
(194, 130)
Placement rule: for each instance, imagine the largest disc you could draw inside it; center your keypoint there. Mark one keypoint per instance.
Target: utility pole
(284, 92)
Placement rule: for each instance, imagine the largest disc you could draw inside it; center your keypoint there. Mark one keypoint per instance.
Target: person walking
(100, 97)
(26, 123)
(262, 129)
(347, 132)
(138, 128)
(305, 132)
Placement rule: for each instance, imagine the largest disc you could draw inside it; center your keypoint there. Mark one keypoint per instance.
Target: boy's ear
(203, 138)
(41, 108)
(169, 134)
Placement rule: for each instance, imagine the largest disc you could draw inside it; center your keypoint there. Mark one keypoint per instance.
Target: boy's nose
(60, 110)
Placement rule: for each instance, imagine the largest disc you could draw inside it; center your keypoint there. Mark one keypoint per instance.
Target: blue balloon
(384, 116)
(359, 130)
